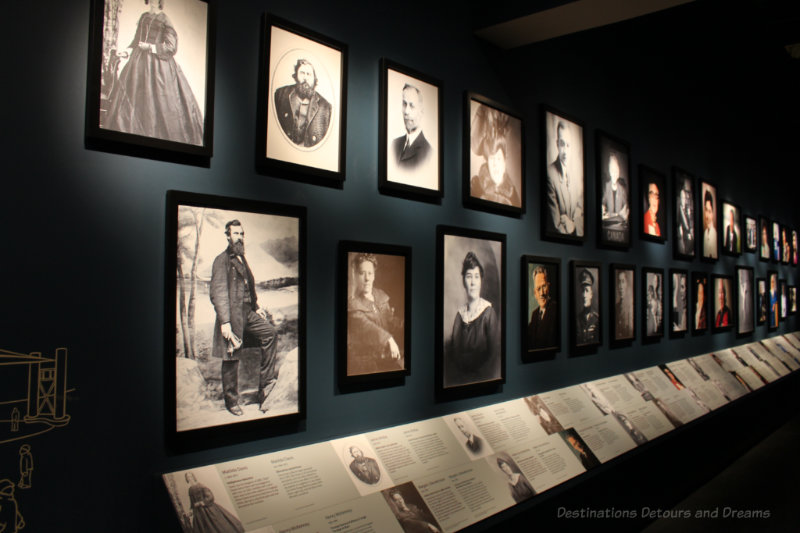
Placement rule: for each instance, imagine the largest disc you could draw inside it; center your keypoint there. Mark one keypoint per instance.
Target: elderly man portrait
(543, 324)
(615, 206)
(304, 115)
(473, 442)
(233, 295)
(412, 149)
(566, 208)
(723, 318)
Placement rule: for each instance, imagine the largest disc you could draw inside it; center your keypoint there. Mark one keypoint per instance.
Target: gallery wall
(85, 229)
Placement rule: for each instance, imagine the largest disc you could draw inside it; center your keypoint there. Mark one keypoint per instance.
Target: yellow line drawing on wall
(11, 519)
(25, 466)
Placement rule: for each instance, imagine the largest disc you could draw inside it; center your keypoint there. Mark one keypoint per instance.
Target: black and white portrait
(709, 207)
(722, 302)
(495, 155)
(751, 234)
(792, 299)
(731, 229)
(699, 294)
(784, 289)
(410, 509)
(543, 315)
(679, 308)
(586, 304)
(653, 303)
(794, 247)
(764, 239)
(614, 184)
(652, 188)
(744, 312)
(472, 306)
(776, 242)
(201, 499)
(623, 287)
(762, 301)
(543, 414)
(468, 436)
(564, 212)
(683, 214)
(518, 485)
(154, 69)
(359, 459)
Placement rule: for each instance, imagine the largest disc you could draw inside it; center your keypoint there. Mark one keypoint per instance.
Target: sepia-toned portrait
(563, 198)
(623, 288)
(731, 229)
(764, 239)
(201, 498)
(586, 324)
(708, 222)
(614, 183)
(745, 299)
(653, 303)
(542, 318)
(762, 301)
(751, 234)
(683, 214)
(699, 294)
(679, 307)
(410, 509)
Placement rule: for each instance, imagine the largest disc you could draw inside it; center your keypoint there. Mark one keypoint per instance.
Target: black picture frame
(586, 321)
(678, 302)
(476, 372)
(613, 206)
(731, 237)
(317, 153)
(114, 121)
(786, 247)
(622, 304)
(699, 312)
(570, 228)
(774, 301)
(491, 126)
(652, 304)
(723, 313)
(764, 239)
(415, 170)
(792, 300)
(762, 301)
(276, 262)
(370, 330)
(745, 310)
(784, 296)
(776, 242)
(541, 332)
(795, 251)
(653, 227)
(750, 240)
(684, 232)
(708, 222)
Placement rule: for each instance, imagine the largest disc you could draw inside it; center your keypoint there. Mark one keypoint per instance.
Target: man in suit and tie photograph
(564, 190)
(412, 149)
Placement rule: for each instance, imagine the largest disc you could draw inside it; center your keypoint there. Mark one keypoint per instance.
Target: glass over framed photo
(730, 222)
(652, 303)
(722, 301)
(614, 184)
(762, 301)
(302, 101)
(564, 184)
(622, 308)
(652, 189)
(585, 316)
(709, 241)
(700, 299)
(471, 307)
(773, 300)
(411, 133)
(751, 234)
(683, 191)
(235, 321)
(151, 77)
(744, 295)
(541, 320)
(776, 242)
(764, 239)
(494, 167)
(679, 302)
(375, 298)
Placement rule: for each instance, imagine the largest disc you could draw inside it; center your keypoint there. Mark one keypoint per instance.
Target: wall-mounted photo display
(375, 298)
(622, 279)
(652, 188)
(784, 305)
(700, 297)
(683, 191)
(564, 184)
(302, 99)
(792, 299)
(541, 320)
(151, 76)
(679, 302)
(794, 251)
(411, 133)
(235, 320)
(744, 308)
(652, 303)
(471, 307)
(786, 246)
(494, 169)
(585, 316)
(722, 287)
(764, 239)
(750, 234)
(709, 241)
(762, 301)
(774, 310)
(730, 222)
(614, 185)
(776, 242)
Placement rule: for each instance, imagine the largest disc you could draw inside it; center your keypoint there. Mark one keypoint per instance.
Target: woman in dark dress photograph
(520, 487)
(207, 515)
(489, 140)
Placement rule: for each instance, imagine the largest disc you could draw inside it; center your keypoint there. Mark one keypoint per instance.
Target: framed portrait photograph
(786, 246)
(411, 133)
(730, 222)
(764, 239)
(709, 242)
(235, 321)
(774, 300)
(679, 302)
(302, 101)
(471, 308)
(375, 289)
(700, 298)
(564, 184)
(745, 322)
(762, 301)
(722, 288)
(794, 247)
(585, 316)
(652, 303)
(151, 78)
(784, 305)
(750, 235)
(683, 191)
(622, 279)
(792, 299)
(614, 185)
(652, 186)
(776, 242)
(541, 320)
(494, 169)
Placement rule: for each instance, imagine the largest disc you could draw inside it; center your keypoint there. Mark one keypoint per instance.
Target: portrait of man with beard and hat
(304, 115)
